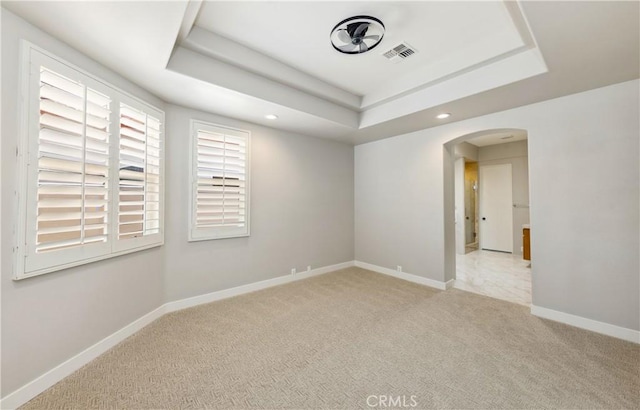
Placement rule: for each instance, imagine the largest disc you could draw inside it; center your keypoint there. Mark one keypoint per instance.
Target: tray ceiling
(448, 36)
(248, 59)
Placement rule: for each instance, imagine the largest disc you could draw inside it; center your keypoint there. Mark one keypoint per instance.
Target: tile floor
(495, 274)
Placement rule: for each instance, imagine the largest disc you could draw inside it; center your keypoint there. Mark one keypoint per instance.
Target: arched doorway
(488, 255)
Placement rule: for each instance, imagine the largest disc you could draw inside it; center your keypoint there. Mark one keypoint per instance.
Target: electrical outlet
(293, 271)
(308, 268)
(399, 268)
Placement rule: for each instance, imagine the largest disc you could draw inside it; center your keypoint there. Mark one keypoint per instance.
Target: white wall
(399, 205)
(583, 165)
(469, 151)
(516, 154)
(459, 205)
(50, 318)
(301, 210)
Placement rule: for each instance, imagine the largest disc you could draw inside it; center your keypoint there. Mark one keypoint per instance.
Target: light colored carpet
(334, 340)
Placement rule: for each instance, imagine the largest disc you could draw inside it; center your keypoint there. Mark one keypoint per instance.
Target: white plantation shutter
(220, 182)
(72, 171)
(72, 164)
(139, 174)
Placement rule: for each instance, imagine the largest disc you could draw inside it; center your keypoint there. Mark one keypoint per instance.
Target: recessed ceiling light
(443, 115)
(271, 117)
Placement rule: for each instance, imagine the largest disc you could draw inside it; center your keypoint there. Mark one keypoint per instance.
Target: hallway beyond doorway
(495, 274)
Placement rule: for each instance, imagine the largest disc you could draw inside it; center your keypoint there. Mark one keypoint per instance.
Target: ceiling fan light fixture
(357, 34)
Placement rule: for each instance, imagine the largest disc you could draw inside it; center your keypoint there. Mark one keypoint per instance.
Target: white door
(496, 212)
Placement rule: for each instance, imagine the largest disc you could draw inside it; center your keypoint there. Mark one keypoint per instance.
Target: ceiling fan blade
(363, 47)
(374, 38)
(344, 36)
(348, 47)
(361, 30)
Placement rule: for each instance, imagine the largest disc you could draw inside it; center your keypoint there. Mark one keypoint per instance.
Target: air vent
(399, 52)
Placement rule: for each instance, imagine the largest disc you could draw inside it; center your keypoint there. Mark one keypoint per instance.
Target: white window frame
(26, 264)
(204, 234)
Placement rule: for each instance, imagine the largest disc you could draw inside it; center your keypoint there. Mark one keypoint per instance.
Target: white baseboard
(403, 275)
(450, 284)
(251, 287)
(588, 324)
(53, 376)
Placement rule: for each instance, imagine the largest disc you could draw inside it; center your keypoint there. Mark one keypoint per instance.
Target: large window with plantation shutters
(219, 182)
(92, 166)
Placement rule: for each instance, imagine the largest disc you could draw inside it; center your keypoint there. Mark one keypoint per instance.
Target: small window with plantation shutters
(91, 174)
(219, 182)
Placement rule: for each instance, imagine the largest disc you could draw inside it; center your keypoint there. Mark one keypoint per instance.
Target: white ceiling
(232, 61)
(449, 36)
(498, 138)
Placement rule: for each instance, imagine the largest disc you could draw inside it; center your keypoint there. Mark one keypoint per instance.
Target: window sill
(26, 275)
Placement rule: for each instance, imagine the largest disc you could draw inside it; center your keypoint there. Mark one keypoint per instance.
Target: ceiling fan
(357, 34)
